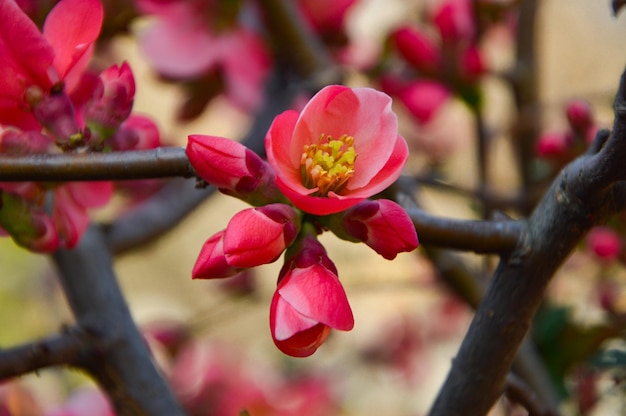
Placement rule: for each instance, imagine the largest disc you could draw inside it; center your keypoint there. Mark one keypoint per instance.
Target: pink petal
(25, 55)
(91, 194)
(71, 27)
(287, 320)
(316, 293)
(387, 175)
(277, 147)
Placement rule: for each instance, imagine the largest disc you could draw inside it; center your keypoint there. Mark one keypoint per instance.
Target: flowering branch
(582, 196)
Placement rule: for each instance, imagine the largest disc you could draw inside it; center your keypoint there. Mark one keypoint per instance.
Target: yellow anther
(328, 165)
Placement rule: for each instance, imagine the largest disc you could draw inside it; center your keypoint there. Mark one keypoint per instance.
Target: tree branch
(68, 348)
(479, 236)
(133, 164)
(121, 362)
(581, 197)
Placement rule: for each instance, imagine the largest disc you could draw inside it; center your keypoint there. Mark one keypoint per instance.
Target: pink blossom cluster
(441, 62)
(323, 165)
(563, 145)
(51, 103)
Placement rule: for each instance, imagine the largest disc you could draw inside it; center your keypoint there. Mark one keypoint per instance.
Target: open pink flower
(341, 149)
(32, 59)
(308, 301)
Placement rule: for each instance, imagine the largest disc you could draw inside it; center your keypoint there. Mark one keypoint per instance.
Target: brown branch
(479, 236)
(580, 197)
(121, 362)
(67, 348)
(134, 164)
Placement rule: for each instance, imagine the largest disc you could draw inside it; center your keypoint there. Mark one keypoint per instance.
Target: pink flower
(383, 225)
(417, 49)
(341, 149)
(181, 43)
(31, 59)
(257, 236)
(233, 168)
(423, 98)
(308, 301)
(604, 242)
(211, 262)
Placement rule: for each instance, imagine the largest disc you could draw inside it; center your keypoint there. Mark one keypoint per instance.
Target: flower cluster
(441, 64)
(323, 164)
(51, 103)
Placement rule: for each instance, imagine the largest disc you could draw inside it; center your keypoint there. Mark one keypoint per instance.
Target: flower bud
(211, 262)
(111, 102)
(56, 113)
(257, 236)
(233, 168)
(423, 99)
(455, 21)
(605, 243)
(381, 224)
(308, 301)
(417, 49)
(553, 144)
(580, 115)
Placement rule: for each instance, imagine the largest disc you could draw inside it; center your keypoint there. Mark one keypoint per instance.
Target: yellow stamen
(328, 165)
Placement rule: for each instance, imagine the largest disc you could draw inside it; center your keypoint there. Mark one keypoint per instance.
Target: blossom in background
(323, 163)
(342, 148)
(443, 64)
(605, 243)
(34, 62)
(186, 41)
(49, 103)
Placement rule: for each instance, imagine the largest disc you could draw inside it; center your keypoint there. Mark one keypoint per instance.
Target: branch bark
(582, 196)
(120, 361)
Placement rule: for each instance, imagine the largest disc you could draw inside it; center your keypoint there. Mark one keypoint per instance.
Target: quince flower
(341, 149)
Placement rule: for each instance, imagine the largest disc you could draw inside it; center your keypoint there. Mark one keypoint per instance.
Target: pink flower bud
(605, 243)
(471, 65)
(418, 49)
(383, 225)
(308, 302)
(137, 132)
(455, 21)
(579, 114)
(423, 99)
(553, 144)
(56, 113)
(211, 262)
(233, 168)
(258, 236)
(111, 102)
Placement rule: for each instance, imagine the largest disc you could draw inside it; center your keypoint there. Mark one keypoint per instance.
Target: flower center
(328, 164)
